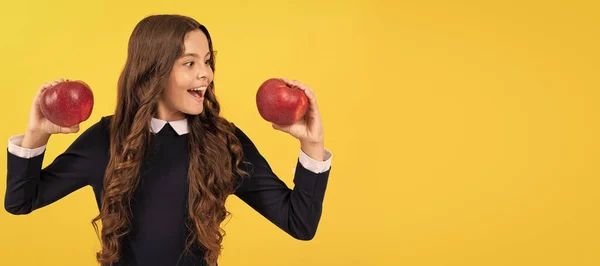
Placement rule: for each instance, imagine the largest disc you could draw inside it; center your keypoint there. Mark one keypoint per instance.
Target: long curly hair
(154, 45)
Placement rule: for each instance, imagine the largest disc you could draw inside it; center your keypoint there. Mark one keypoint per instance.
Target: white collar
(180, 126)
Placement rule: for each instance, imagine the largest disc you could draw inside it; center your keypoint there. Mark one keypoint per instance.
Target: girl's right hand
(38, 123)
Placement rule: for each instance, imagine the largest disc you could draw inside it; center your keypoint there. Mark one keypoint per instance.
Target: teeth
(199, 89)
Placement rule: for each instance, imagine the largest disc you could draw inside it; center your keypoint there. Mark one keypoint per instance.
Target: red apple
(281, 103)
(67, 103)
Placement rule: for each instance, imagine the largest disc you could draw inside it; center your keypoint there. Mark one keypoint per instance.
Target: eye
(189, 64)
(208, 61)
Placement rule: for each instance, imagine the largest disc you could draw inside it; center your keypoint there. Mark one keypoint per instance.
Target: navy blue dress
(158, 232)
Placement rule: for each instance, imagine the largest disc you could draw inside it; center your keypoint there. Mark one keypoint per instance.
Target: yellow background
(463, 133)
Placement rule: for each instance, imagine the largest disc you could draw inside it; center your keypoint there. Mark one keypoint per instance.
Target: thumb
(72, 129)
(279, 127)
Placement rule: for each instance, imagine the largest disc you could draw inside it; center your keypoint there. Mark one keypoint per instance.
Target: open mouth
(197, 93)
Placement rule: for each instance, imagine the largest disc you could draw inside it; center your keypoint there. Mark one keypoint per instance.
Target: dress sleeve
(296, 211)
(29, 187)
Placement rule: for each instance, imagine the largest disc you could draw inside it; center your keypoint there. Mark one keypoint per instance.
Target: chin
(193, 111)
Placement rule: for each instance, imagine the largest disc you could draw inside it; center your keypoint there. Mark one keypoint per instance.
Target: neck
(169, 115)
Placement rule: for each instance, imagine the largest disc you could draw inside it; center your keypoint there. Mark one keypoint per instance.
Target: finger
(288, 82)
(72, 129)
(301, 86)
(296, 83)
(50, 84)
(44, 87)
(293, 83)
(279, 127)
(276, 126)
(312, 97)
(310, 93)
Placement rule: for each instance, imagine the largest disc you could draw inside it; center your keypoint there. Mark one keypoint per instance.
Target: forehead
(196, 42)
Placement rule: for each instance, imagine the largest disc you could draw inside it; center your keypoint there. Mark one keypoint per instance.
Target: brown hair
(154, 45)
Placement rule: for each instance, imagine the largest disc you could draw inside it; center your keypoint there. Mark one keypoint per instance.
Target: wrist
(36, 133)
(314, 150)
(34, 139)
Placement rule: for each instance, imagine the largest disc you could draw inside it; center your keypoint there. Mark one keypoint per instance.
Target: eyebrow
(193, 54)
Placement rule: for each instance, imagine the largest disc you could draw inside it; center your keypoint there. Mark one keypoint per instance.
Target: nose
(204, 72)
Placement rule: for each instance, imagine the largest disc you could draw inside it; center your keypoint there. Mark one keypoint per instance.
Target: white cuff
(314, 165)
(14, 147)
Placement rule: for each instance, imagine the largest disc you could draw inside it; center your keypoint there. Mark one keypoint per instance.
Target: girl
(163, 165)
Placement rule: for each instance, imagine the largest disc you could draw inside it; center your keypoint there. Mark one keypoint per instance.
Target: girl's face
(189, 79)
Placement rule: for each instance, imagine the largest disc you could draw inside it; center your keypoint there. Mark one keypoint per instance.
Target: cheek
(179, 82)
(173, 91)
(182, 79)
(186, 77)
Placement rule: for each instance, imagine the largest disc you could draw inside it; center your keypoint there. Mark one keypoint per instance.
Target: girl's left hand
(308, 130)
